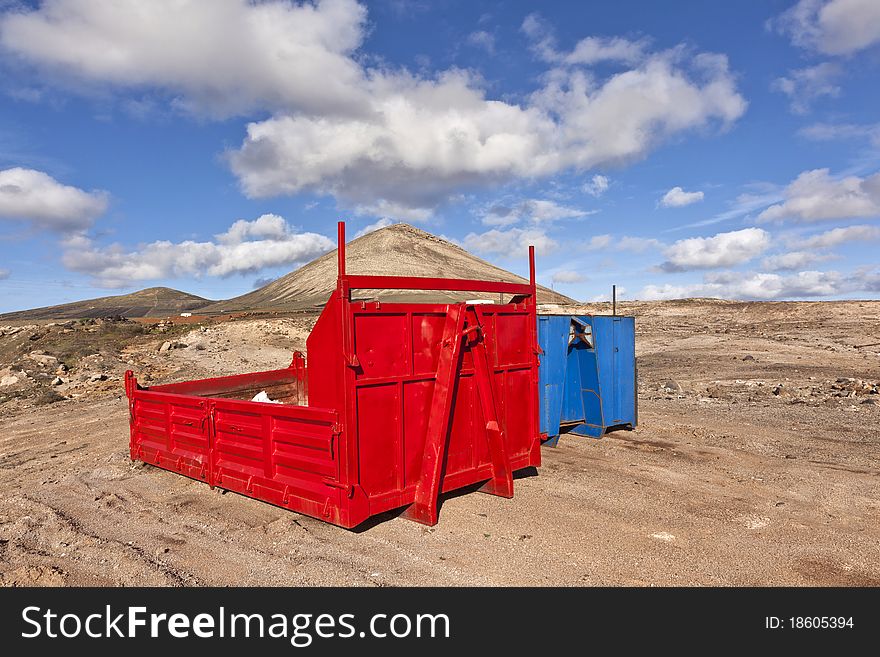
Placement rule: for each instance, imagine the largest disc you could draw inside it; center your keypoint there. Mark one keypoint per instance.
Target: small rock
(97, 377)
(166, 346)
(870, 402)
(672, 386)
(57, 381)
(10, 380)
(748, 357)
(42, 359)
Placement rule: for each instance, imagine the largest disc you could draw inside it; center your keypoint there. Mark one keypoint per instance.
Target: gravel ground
(756, 461)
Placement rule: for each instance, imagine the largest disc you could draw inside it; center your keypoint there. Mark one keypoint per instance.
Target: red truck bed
(399, 403)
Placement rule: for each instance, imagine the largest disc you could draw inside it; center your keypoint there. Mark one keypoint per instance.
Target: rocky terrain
(150, 302)
(756, 461)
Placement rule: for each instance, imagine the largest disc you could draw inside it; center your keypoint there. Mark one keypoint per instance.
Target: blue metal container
(587, 377)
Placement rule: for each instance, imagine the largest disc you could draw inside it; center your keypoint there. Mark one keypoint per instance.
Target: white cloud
(677, 197)
(638, 244)
(536, 211)
(599, 298)
(765, 287)
(246, 248)
(625, 243)
(267, 226)
(34, 196)
(593, 50)
(803, 86)
(838, 27)
(815, 196)
(511, 242)
(424, 141)
(838, 236)
(482, 39)
(597, 185)
(830, 131)
(217, 58)
(721, 250)
(587, 52)
(382, 223)
(568, 276)
(4, 273)
(599, 242)
(392, 210)
(370, 135)
(793, 260)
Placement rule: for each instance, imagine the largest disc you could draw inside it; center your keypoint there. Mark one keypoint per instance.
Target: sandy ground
(764, 468)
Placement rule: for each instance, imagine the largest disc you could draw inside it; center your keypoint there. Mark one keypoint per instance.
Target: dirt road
(764, 468)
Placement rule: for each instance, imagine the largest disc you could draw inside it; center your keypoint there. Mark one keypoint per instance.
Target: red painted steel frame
(400, 402)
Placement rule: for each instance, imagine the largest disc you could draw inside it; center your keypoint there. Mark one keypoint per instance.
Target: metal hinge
(347, 488)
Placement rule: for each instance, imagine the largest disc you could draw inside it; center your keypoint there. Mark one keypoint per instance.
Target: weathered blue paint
(587, 376)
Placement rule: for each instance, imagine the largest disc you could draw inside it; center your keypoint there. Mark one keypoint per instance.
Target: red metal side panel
(171, 431)
(283, 454)
(279, 452)
(397, 348)
(417, 397)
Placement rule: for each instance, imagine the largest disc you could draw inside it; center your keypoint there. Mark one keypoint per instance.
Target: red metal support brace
(342, 285)
(501, 483)
(424, 508)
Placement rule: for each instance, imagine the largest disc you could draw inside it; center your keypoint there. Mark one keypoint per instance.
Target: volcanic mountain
(398, 250)
(151, 302)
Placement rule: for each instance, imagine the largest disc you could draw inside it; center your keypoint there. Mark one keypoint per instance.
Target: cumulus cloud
(764, 286)
(599, 242)
(597, 185)
(721, 250)
(803, 86)
(794, 260)
(638, 244)
(513, 241)
(372, 135)
(815, 196)
(536, 211)
(588, 51)
(4, 273)
(624, 243)
(426, 140)
(568, 276)
(246, 248)
(217, 58)
(835, 27)
(384, 222)
(592, 50)
(677, 197)
(836, 236)
(36, 197)
(831, 131)
(482, 39)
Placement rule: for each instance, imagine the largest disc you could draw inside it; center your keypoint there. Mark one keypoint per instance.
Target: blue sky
(675, 149)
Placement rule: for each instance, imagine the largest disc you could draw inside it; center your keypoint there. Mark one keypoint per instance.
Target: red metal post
(532, 268)
(340, 249)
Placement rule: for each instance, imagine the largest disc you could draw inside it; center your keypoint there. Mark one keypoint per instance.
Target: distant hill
(398, 250)
(151, 302)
